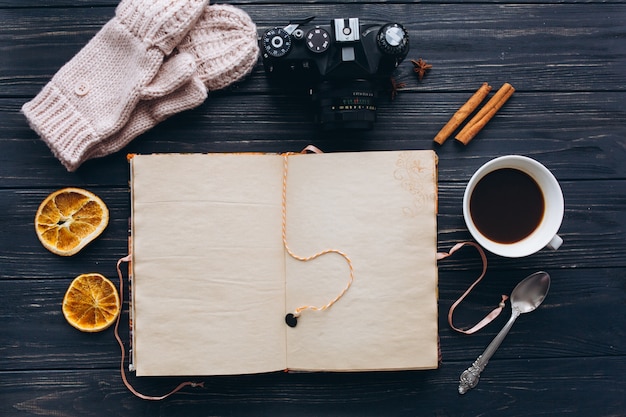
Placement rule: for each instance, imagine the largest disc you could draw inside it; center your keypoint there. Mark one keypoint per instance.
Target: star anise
(395, 86)
(421, 67)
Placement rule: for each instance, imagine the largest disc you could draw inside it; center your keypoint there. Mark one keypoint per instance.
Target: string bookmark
(291, 319)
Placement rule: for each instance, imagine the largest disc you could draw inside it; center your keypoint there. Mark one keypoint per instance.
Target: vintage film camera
(343, 65)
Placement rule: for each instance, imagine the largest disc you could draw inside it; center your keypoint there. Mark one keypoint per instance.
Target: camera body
(343, 64)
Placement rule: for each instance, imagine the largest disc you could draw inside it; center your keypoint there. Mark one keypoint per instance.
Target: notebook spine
(131, 356)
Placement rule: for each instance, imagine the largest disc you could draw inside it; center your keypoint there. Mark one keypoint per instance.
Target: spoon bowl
(526, 297)
(530, 292)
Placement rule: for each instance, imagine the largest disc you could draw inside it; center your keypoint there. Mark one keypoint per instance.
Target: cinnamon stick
(485, 114)
(461, 114)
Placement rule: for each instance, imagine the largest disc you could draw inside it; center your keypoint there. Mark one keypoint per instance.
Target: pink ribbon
(119, 341)
(489, 317)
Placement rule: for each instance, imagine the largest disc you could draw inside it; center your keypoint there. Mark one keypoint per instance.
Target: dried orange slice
(69, 219)
(91, 303)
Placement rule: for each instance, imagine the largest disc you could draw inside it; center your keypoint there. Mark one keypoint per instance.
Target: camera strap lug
(293, 25)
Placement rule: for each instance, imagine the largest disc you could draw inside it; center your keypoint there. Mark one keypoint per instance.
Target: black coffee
(506, 205)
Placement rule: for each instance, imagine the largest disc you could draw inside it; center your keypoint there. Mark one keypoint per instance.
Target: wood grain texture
(577, 135)
(507, 387)
(592, 229)
(50, 344)
(567, 61)
(467, 43)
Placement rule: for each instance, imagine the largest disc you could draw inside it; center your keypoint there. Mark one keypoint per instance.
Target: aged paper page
(380, 209)
(208, 264)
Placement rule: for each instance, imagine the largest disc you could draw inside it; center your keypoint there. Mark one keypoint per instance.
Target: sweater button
(81, 89)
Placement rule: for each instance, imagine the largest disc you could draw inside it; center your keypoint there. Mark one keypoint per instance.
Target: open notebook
(212, 280)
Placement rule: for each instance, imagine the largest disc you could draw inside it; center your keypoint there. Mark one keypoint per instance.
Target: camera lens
(346, 104)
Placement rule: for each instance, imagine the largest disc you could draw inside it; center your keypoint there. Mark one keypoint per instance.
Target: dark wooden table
(567, 61)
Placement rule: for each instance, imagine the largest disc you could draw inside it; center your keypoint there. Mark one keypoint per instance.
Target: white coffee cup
(545, 232)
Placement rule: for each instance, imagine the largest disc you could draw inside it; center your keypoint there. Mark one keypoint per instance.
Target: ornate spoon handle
(470, 377)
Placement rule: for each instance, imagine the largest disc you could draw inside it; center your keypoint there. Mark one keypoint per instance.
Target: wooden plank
(243, 3)
(593, 229)
(23, 256)
(577, 135)
(36, 336)
(581, 386)
(584, 43)
(592, 236)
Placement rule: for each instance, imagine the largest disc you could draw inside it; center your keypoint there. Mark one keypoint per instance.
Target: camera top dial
(276, 42)
(393, 39)
(318, 40)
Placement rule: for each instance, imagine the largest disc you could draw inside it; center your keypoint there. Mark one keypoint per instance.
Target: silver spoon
(526, 296)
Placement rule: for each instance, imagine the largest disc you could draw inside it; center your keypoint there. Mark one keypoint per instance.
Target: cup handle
(555, 243)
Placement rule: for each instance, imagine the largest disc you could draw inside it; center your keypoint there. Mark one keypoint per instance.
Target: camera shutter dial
(277, 42)
(393, 39)
(318, 40)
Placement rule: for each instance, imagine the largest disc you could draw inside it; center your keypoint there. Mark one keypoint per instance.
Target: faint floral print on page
(416, 177)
